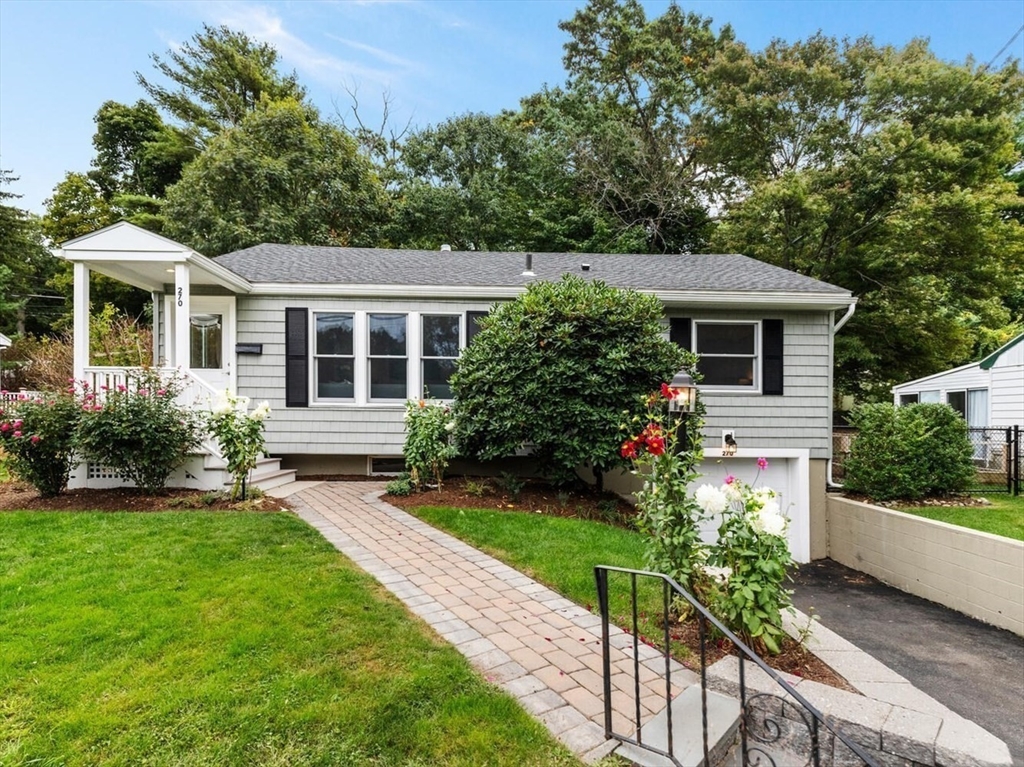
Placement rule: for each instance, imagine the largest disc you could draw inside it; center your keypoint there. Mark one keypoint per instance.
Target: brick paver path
(537, 645)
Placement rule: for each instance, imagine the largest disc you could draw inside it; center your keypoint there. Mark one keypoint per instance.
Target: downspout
(829, 481)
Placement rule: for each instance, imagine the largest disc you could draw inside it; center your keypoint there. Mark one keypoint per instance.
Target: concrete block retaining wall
(976, 573)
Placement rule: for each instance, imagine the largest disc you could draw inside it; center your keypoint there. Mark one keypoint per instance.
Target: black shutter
(772, 369)
(679, 332)
(472, 328)
(296, 358)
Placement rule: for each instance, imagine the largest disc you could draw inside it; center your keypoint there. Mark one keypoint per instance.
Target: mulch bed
(18, 496)
(580, 501)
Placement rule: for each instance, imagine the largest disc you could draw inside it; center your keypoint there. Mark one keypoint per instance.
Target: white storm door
(211, 335)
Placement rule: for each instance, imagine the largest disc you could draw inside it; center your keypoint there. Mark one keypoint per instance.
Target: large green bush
(139, 431)
(908, 452)
(555, 370)
(38, 436)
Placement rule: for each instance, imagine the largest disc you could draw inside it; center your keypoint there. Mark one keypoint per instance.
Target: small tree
(908, 452)
(139, 431)
(555, 370)
(38, 436)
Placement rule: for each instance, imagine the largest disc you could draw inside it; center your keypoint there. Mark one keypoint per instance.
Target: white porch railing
(193, 392)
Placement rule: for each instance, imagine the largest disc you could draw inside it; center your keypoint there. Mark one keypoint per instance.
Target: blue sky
(59, 61)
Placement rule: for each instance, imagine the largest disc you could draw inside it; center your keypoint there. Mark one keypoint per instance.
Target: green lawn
(196, 638)
(1004, 517)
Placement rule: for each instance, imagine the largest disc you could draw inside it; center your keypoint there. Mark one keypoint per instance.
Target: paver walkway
(537, 645)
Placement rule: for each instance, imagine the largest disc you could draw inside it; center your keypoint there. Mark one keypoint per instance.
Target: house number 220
(181, 302)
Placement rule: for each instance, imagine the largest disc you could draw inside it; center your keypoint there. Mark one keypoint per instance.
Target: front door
(211, 335)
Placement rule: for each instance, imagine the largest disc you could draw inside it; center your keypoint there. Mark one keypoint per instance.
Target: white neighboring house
(338, 338)
(5, 343)
(987, 393)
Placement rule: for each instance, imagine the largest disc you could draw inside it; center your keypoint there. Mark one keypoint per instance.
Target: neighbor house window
(388, 357)
(929, 396)
(333, 356)
(728, 354)
(439, 353)
(958, 401)
(908, 399)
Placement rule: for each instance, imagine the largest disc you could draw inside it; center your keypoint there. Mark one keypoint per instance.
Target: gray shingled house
(337, 339)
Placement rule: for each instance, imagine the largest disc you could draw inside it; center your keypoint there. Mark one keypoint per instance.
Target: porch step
(267, 474)
(273, 479)
(687, 731)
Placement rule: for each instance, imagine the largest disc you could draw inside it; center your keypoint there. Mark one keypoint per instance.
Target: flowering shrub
(240, 436)
(138, 430)
(742, 579)
(668, 514)
(38, 436)
(429, 444)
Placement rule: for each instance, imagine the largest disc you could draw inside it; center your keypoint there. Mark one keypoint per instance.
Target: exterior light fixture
(683, 402)
(684, 394)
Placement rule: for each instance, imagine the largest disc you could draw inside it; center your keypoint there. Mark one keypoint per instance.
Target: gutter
(830, 483)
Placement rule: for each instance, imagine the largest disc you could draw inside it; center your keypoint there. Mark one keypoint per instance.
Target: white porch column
(80, 318)
(182, 309)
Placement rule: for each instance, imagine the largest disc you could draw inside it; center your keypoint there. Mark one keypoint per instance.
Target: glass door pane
(205, 341)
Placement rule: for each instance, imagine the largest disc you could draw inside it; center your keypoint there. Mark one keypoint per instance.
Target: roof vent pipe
(446, 248)
(585, 267)
(528, 271)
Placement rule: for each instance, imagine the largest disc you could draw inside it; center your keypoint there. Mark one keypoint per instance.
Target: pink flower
(17, 423)
(71, 380)
(730, 479)
(5, 427)
(35, 439)
(161, 392)
(122, 387)
(17, 434)
(97, 407)
(762, 463)
(104, 388)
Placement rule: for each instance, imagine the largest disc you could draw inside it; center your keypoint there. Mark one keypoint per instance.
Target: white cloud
(378, 53)
(263, 24)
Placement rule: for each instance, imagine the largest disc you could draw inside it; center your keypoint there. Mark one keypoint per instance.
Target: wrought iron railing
(771, 725)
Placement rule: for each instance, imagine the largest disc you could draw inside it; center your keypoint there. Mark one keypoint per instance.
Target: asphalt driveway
(972, 668)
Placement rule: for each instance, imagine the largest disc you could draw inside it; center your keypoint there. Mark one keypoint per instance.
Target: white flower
(450, 426)
(241, 404)
(711, 499)
(772, 507)
(732, 492)
(222, 404)
(261, 411)
(769, 522)
(720, 574)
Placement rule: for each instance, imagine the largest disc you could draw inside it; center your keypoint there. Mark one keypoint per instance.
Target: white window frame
(410, 338)
(422, 358)
(314, 357)
(755, 385)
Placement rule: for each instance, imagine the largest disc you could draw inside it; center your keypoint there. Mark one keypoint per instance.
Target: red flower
(656, 445)
(666, 391)
(629, 449)
(35, 439)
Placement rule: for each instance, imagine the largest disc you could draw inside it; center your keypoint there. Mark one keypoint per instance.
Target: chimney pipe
(528, 271)
(446, 248)
(585, 267)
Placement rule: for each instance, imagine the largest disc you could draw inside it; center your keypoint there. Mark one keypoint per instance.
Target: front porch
(193, 305)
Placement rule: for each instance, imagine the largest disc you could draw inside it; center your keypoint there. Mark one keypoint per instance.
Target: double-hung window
(334, 357)
(729, 357)
(440, 350)
(388, 356)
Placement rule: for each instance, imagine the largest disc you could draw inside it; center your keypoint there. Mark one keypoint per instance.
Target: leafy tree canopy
(561, 368)
(282, 175)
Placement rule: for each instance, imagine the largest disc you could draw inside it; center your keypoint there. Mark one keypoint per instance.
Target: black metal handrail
(771, 730)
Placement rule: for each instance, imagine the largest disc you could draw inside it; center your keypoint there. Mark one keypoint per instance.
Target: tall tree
(25, 265)
(883, 171)
(217, 79)
(630, 117)
(136, 152)
(491, 182)
(282, 175)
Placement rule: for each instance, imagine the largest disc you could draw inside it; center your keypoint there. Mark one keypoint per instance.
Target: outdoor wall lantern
(683, 402)
(684, 397)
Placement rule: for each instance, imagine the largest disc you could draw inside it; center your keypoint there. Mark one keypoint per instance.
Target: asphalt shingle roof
(382, 266)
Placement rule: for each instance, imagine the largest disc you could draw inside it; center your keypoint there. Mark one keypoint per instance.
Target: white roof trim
(4, 341)
(821, 301)
(173, 246)
(933, 376)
